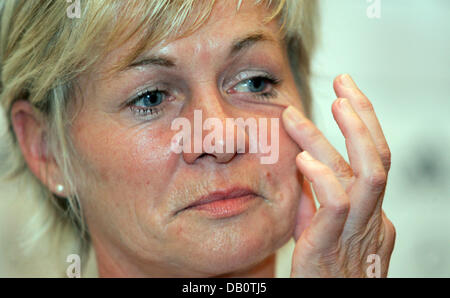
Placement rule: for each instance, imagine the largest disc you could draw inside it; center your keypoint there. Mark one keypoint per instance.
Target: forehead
(224, 28)
(225, 25)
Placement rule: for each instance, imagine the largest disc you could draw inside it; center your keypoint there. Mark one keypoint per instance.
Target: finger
(327, 225)
(309, 138)
(365, 161)
(306, 210)
(345, 87)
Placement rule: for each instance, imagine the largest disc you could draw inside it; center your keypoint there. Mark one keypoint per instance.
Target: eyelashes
(151, 103)
(261, 87)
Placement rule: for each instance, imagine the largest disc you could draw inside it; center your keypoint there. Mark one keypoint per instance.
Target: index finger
(345, 87)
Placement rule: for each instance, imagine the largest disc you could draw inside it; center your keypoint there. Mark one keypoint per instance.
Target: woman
(92, 102)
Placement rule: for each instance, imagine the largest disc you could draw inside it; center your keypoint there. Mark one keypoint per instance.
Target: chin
(233, 248)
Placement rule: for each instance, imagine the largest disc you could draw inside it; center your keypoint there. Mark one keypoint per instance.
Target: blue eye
(259, 86)
(254, 85)
(148, 103)
(149, 99)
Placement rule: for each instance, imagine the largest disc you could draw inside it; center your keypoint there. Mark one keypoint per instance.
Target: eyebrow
(248, 41)
(153, 60)
(237, 47)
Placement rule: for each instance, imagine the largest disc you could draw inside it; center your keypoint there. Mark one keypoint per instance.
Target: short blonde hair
(43, 52)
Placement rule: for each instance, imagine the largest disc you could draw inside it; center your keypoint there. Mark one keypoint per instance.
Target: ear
(31, 133)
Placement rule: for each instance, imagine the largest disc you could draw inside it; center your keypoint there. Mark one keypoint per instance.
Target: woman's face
(139, 196)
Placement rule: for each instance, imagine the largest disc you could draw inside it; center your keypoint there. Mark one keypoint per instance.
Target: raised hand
(350, 225)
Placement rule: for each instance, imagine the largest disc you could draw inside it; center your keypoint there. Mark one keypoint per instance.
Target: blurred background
(398, 52)
(401, 61)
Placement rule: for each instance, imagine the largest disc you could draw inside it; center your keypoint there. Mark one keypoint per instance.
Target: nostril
(220, 158)
(204, 154)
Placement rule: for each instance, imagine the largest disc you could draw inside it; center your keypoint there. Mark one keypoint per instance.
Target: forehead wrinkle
(238, 45)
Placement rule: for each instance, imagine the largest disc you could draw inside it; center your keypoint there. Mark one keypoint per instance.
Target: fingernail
(293, 115)
(306, 156)
(347, 81)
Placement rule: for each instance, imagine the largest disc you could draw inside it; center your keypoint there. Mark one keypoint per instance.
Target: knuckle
(341, 206)
(385, 155)
(377, 179)
(363, 104)
(361, 129)
(341, 166)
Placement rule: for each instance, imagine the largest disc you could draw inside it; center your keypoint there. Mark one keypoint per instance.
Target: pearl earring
(59, 188)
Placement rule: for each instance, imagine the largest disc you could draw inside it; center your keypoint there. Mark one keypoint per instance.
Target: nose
(218, 156)
(215, 133)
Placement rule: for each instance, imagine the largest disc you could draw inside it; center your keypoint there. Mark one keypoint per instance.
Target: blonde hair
(43, 52)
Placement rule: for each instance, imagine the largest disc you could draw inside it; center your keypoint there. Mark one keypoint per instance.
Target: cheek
(128, 174)
(125, 164)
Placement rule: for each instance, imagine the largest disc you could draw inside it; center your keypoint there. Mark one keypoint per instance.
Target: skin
(137, 185)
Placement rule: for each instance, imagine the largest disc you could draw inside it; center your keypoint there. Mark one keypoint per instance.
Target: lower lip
(226, 208)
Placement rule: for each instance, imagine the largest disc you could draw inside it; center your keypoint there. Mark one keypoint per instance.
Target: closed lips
(221, 195)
